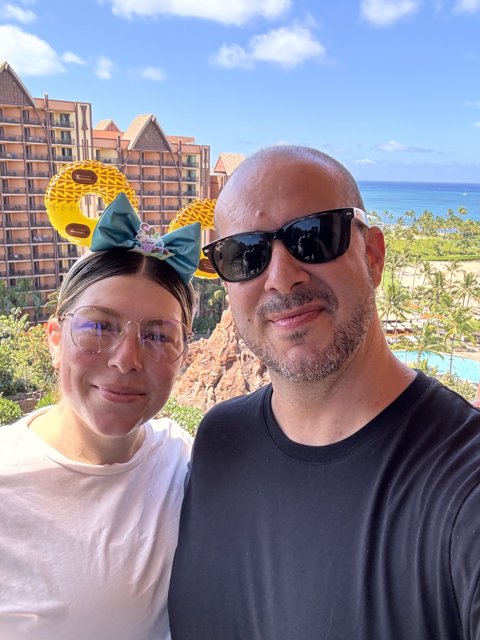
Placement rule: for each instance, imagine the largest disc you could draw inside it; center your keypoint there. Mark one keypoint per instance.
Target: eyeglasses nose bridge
(123, 332)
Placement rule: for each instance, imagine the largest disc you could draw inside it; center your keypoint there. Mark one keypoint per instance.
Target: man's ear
(375, 248)
(54, 334)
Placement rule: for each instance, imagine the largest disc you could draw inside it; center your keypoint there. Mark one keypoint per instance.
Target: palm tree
(458, 325)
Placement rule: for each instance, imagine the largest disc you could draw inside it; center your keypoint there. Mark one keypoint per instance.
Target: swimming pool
(464, 368)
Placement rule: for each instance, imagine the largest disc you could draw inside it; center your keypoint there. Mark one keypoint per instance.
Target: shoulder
(240, 406)
(15, 442)
(170, 435)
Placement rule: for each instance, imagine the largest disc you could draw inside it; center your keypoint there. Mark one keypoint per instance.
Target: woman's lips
(119, 394)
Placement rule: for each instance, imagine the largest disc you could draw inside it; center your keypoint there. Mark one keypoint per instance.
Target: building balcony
(63, 143)
(13, 273)
(17, 257)
(40, 223)
(8, 191)
(37, 174)
(62, 124)
(10, 120)
(4, 137)
(150, 193)
(14, 207)
(35, 139)
(12, 241)
(33, 122)
(9, 224)
(62, 158)
(14, 155)
(34, 156)
(151, 178)
(44, 256)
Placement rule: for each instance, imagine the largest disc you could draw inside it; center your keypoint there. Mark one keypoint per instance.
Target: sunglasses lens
(241, 257)
(318, 238)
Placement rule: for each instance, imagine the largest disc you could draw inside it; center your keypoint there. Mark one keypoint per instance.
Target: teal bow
(119, 226)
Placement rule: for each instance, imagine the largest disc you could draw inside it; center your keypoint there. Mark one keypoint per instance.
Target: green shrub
(51, 397)
(466, 389)
(9, 411)
(187, 417)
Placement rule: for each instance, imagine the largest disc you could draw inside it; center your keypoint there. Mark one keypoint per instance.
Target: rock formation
(218, 368)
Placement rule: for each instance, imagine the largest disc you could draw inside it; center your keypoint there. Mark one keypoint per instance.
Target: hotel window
(65, 119)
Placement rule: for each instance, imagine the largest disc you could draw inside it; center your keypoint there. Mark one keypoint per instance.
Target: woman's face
(114, 391)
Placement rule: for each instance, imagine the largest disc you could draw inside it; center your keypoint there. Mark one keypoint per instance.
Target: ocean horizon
(437, 197)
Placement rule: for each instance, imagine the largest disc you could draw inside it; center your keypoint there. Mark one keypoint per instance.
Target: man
(341, 501)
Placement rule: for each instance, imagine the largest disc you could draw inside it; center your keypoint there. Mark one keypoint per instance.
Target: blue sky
(389, 87)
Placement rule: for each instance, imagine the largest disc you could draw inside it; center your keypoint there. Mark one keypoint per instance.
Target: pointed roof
(145, 133)
(12, 89)
(228, 162)
(107, 125)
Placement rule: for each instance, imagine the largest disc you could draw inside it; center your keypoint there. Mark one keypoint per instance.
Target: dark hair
(122, 262)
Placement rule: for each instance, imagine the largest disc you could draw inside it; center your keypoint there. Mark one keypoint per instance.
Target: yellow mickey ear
(66, 189)
(197, 211)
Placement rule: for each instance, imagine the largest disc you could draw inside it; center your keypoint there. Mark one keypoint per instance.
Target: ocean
(437, 197)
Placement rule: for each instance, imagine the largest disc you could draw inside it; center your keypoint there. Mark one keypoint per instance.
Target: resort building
(223, 169)
(37, 137)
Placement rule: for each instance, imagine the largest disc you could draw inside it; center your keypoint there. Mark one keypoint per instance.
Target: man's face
(304, 321)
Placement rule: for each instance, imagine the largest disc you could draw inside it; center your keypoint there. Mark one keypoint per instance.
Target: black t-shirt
(376, 537)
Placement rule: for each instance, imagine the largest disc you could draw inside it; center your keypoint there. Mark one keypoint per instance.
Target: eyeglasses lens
(317, 239)
(242, 257)
(312, 239)
(95, 330)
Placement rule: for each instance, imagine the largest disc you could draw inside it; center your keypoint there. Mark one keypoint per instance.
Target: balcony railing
(59, 141)
(11, 155)
(33, 156)
(35, 139)
(10, 120)
(63, 124)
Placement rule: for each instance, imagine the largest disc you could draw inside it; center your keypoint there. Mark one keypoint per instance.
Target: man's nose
(284, 271)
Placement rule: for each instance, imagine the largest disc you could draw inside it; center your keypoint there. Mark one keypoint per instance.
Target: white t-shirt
(86, 550)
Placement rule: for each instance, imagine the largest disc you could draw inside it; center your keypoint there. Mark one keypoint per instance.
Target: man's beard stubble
(322, 362)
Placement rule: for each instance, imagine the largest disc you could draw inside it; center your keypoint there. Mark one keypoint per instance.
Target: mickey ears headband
(119, 224)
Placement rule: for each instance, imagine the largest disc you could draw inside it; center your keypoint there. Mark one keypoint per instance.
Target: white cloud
(230, 56)
(285, 46)
(227, 12)
(385, 12)
(152, 73)
(28, 54)
(392, 146)
(104, 68)
(13, 12)
(72, 58)
(476, 124)
(364, 161)
(467, 6)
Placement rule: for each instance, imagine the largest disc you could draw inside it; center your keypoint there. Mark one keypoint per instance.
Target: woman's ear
(54, 331)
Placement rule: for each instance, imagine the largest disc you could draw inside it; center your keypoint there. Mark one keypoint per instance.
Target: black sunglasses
(319, 237)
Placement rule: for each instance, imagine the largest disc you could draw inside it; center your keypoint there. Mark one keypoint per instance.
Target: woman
(90, 489)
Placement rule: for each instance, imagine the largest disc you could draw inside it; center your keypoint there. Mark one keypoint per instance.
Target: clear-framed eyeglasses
(97, 329)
